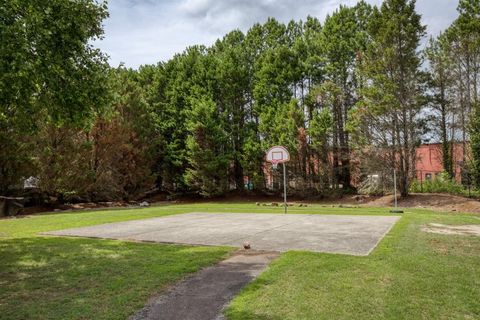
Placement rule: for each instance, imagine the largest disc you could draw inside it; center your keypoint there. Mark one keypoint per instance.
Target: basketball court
(354, 235)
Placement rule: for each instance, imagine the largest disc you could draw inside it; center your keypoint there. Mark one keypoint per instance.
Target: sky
(148, 31)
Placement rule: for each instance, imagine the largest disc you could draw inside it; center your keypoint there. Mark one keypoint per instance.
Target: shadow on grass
(75, 278)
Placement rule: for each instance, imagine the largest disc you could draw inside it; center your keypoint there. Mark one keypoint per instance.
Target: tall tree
(183, 73)
(464, 36)
(231, 94)
(441, 81)
(342, 38)
(474, 165)
(48, 70)
(392, 93)
(206, 147)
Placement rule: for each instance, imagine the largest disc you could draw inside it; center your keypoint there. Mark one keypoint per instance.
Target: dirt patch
(472, 229)
(432, 201)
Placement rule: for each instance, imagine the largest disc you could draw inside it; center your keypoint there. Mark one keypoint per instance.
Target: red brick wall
(429, 161)
(428, 157)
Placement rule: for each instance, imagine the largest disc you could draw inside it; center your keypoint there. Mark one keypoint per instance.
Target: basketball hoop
(276, 155)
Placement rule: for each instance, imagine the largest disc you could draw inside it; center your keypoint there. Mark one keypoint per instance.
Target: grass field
(410, 275)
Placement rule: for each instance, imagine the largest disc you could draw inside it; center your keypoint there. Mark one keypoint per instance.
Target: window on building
(428, 176)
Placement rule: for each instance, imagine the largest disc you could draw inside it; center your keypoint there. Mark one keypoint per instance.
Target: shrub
(443, 184)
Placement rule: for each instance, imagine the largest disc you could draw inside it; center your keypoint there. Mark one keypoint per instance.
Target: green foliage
(203, 120)
(320, 128)
(443, 183)
(111, 160)
(392, 92)
(47, 62)
(475, 145)
(15, 160)
(170, 99)
(49, 72)
(208, 159)
(441, 79)
(465, 38)
(231, 67)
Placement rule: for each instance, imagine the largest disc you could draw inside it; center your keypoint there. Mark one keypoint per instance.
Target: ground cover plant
(411, 273)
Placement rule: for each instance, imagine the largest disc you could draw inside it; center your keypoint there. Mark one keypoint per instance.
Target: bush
(443, 184)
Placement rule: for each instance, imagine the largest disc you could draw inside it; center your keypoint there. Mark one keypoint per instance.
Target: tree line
(349, 97)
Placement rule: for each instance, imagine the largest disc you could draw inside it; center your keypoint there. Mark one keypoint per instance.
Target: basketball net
(274, 164)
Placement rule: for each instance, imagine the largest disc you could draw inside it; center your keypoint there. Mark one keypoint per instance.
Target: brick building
(429, 161)
(428, 165)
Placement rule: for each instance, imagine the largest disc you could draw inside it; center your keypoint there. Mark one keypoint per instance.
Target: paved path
(356, 235)
(204, 295)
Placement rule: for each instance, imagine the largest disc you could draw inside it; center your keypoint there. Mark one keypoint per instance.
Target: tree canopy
(350, 97)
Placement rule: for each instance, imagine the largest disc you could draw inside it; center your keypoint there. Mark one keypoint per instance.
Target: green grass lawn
(75, 278)
(410, 275)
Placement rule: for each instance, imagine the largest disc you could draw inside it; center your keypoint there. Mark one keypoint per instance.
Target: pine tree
(183, 73)
(392, 93)
(208, 159)
(441, 80)
(464, 35)
(341, 40)
(231, 95)
(474, 127)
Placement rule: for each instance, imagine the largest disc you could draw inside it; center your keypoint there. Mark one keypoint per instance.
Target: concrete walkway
(204, 295)
(355, 235)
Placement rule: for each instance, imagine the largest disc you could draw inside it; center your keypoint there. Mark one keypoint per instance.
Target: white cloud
(147, 31)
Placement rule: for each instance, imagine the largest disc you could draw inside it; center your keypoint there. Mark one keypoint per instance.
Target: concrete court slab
(355, 235)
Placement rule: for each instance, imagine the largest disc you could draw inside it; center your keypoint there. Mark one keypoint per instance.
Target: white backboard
(277, 154)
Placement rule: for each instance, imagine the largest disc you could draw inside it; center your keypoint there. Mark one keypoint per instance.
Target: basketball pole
(275, 155)
(395, 186)
(284, 187)
(395, 210)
